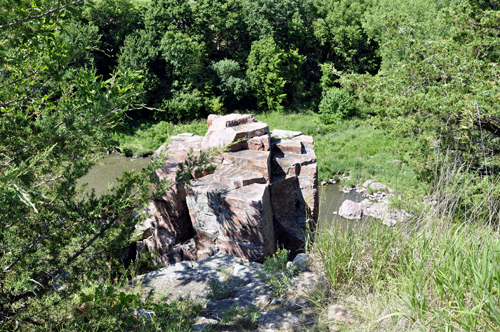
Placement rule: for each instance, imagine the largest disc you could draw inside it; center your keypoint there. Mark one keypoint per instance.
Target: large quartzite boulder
(263, 191)
(294, 187)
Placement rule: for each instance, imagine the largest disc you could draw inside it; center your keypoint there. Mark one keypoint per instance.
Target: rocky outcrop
(262, 192)
(222, 282)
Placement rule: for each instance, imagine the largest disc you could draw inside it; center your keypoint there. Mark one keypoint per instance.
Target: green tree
(115, 19)
(287, 22)
(169, 15)
(223, 27)
(272, 73)
(140, 52)
(85, 38)
(336, 105)
(55, 121)
(340, 32)
(442, 94)
(231, 82)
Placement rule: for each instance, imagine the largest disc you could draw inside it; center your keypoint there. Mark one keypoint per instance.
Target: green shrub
(232, 83)
(276, 273)
(336, 105)
(106, 307)
(184, 105)
(273, 73)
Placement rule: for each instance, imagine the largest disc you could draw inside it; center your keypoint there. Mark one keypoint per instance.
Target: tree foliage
(55, 121)
(443, 92)
(270, 70)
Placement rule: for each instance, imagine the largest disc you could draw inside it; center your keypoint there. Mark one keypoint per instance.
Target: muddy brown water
(112, 166)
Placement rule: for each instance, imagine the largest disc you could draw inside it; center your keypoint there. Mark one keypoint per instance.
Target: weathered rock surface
(284, 134)
(289, 212)
(254, 161)
(225, 130)
(247, 290)
(172, 215)
(238, 222)
(350, 210)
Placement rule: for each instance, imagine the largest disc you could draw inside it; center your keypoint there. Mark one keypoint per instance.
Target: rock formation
(262, 192)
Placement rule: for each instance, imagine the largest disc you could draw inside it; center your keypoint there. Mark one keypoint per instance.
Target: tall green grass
(439, 272)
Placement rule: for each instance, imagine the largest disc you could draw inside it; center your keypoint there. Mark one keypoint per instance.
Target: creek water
(110, 167)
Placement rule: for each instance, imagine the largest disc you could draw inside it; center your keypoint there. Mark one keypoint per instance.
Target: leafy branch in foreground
(55, 122)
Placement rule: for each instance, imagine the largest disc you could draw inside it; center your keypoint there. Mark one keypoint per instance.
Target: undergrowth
(438, 272)
(276, 273)
(108, 307)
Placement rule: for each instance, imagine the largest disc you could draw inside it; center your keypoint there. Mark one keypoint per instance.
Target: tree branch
(29, 18)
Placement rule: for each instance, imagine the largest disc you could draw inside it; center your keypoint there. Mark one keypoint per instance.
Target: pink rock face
(308, 183)
(304, 139)
(350, 210)
(231, 120)
(172, 213)
(288, 146)
(260, 193)
(258, 143)
(237, 221)
(236, 177)
(163, 240)
(290, 164)
(211, 118)
(254, 161)
(247, 226)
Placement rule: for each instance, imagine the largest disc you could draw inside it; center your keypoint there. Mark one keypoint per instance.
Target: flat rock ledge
(260, 194)
(244, 289)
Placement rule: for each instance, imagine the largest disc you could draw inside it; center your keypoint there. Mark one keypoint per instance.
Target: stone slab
(227, 137)
(284, 134)
(288, 146)
(290, 164)
(289, 213)
(234, 177)
(308, 183)
(247, 227)
(257, 143)
(254, 161)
